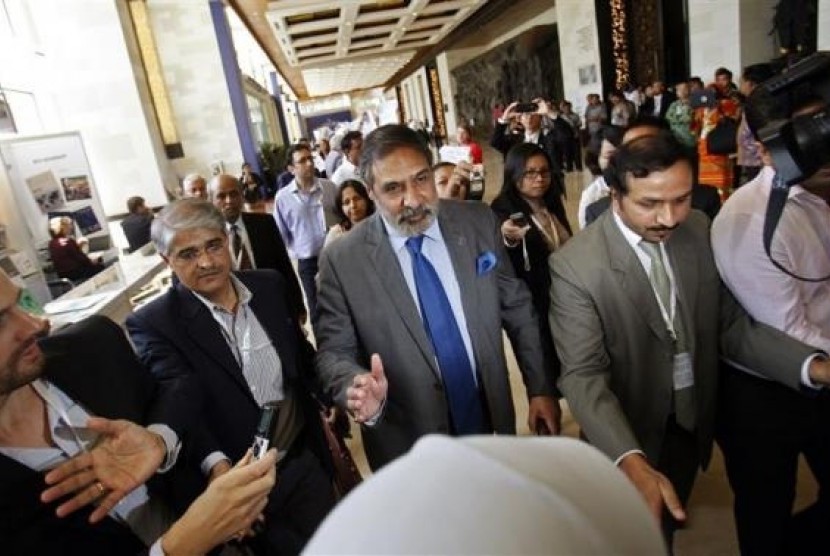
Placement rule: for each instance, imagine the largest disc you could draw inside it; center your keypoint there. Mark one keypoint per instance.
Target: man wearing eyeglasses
(303, 211)
(69, 405)
(222, 345)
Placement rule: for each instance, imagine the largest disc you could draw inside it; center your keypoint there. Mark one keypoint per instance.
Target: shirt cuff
(618, 461)
(376, 417)
(805, 371)
(171, 444)
(212, 459)
(156, 549)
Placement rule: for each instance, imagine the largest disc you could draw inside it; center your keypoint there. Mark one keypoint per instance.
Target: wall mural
(522, 69)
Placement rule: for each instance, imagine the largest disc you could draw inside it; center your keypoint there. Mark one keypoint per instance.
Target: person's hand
(226, 509)
(220, 468)
(545, 108)
(653, 486)
(510, 112)
(544, 416)
(512, 233)
(367, 392)
(820, 371)
(125, 456)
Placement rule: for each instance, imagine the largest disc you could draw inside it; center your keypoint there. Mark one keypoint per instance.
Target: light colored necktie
(685, 407)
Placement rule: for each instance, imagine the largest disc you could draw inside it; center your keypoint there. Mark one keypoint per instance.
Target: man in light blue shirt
(303, 211)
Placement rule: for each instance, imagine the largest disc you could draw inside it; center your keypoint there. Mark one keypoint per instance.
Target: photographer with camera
(765, 422)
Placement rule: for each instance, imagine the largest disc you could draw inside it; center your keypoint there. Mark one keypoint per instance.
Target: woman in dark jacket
(540, 230)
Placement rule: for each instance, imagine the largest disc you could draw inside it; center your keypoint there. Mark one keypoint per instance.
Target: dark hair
(696, 79)
(360, 189)
(134, 203)
(642, 156)
(348, 139)
(758, 73)
(647, 120)
(514, 169)
(723, 71)
(384, 140)
(613, 134)
(296, 147)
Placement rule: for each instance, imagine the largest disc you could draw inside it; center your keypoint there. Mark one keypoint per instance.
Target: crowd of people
(662, 332)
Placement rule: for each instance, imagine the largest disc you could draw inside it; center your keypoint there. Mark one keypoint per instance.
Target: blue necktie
(466, 413)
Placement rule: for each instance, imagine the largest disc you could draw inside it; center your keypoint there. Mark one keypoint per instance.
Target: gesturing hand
(125, 456)
(654, 486)
(367, 392)
(544, 410)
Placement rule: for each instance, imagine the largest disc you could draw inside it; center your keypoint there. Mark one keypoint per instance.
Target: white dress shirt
(801, 244)
(346, 171)
(246, 242)
(595, 191)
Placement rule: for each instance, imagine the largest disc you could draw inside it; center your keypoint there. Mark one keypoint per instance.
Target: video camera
(799, 145)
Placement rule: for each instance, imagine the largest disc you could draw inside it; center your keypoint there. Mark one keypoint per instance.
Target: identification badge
(684, 376)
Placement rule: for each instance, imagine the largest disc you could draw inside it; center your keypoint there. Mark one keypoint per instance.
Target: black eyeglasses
(533, 174)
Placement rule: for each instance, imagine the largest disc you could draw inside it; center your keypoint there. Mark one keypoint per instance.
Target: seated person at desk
(67, 257)
(136, 225)
(50, 390)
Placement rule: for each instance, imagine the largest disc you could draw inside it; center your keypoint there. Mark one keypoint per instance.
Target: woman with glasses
(534, 225)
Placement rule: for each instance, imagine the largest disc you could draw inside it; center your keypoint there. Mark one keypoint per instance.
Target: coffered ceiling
(323, 48)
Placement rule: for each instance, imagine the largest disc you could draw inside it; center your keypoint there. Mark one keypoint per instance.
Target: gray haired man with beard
(411, 309)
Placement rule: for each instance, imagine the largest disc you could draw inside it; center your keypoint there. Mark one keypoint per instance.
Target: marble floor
(710, 530)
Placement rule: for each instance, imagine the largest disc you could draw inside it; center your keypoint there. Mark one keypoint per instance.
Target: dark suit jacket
(705, 198)
(269, 252)
(365, 307)
(648, 106)
(615, 349)
(537, 277)
(94, 364)
(137, 229)
(203, 395)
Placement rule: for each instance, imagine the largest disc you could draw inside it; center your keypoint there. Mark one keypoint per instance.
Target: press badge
(684, 376)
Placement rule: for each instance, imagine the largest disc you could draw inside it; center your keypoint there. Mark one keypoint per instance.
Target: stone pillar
(824, 24)
(729, 33)
(447, 94)
(579, 51)
(190, 58)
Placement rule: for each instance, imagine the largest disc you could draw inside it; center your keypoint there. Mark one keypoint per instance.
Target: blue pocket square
(485, 263)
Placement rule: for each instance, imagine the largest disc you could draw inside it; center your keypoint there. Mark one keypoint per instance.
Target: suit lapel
(388, 271)
(206, 334)
(633, 278)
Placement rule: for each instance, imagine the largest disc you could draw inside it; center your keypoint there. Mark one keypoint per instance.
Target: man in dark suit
(49, 387)
(412, 304)
(638, 314)
(136, 225)
(223, 345)
(656, 105)
(255, 240)
(503, 140)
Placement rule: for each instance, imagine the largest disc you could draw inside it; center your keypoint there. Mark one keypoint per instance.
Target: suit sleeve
(499, 140)
(282, 263)
(179, 398)
(521, 322)
(338, 352)
(585, 377)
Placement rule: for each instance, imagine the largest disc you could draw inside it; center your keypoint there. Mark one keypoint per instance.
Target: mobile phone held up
(519, 219)
(264, 431)
(525, 107)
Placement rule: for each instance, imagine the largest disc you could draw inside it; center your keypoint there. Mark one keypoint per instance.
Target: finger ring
(101, 489)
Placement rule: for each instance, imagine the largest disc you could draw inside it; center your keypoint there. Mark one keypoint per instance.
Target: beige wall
(88, 70)
(824, 24)
(578, 48)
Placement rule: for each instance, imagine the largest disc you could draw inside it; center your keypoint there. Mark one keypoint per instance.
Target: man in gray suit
(422, 290)
(638, 313)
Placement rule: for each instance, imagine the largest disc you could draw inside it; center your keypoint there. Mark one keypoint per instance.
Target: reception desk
(109, 293)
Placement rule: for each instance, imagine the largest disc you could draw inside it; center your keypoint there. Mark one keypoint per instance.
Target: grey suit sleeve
(338, 353)
(756, 346)
(585, 377)
(521, 323)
